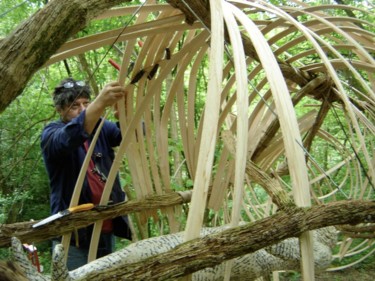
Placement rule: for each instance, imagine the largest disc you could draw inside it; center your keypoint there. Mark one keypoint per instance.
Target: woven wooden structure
(275, 75)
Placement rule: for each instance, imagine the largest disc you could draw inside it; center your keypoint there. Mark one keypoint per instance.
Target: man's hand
(110, 94)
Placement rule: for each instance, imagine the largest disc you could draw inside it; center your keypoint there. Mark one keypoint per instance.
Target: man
(64, 144)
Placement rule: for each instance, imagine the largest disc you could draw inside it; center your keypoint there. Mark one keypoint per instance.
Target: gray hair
(68, 91)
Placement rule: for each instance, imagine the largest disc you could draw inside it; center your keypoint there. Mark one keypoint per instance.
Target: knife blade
(79, 208)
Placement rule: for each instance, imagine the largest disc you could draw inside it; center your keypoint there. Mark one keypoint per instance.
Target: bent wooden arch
(331, 77)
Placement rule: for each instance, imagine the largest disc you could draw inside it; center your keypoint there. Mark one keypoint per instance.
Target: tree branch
(27, 234)
(213, 249)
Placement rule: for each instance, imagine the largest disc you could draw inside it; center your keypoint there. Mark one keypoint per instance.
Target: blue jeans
(77, 257)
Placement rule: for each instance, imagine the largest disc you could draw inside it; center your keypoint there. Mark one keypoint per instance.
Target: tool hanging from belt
(32, 254)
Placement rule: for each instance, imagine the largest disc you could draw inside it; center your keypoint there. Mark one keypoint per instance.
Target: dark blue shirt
(63, 152)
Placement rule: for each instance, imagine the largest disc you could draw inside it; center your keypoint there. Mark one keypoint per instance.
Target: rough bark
(11, 271)
(281, 256)
(27, 234)
(34, 41)
(214, 249)
(195, 10)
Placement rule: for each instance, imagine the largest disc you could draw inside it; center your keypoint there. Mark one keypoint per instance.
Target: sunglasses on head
(71, 84)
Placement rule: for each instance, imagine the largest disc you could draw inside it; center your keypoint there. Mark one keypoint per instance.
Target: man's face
(73, 110)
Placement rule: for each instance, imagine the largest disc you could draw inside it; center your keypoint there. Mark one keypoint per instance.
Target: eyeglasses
(71, 84)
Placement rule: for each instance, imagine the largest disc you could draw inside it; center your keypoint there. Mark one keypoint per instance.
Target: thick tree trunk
(214, 249)
(24, 51)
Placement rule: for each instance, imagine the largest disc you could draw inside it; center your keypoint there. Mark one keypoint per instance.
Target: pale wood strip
(123, 11)
(123, 37)
(211, 116)
(242, 108)
(291, 135)
(188, 121)
(221, 181)
(65, 241)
